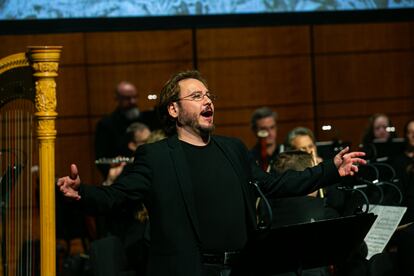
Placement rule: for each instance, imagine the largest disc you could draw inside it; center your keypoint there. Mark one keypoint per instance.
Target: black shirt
(218, 198)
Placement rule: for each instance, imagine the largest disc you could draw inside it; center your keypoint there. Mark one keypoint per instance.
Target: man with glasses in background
(263, 123)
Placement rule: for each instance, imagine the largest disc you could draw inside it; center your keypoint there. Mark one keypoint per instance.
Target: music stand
(302, 246)
(328, 149)
(390, 148)
(379, 151)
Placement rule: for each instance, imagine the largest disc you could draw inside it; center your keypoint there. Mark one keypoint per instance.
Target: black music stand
(296, 247)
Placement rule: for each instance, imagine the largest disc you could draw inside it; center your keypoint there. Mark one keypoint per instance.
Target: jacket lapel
(184, 180)
(236, 163)
(231, 156)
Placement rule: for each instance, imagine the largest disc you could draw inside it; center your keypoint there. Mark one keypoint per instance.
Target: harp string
(17, 192)
(29, 236)
(1, 201)
(2, 258)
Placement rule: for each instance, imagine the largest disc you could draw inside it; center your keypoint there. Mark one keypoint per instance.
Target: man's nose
(207, 100)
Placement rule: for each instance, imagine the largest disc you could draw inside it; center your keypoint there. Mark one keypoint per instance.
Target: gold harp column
(45, 63)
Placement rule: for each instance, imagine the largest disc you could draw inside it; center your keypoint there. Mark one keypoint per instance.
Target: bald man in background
(111, 138)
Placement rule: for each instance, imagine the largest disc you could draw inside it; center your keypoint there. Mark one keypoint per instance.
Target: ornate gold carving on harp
(27, 160)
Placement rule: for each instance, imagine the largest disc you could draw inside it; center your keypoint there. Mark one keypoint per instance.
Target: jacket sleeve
(293, 183)
(290, 183)
(130, 186)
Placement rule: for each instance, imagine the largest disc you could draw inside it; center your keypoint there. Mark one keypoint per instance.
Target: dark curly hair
(171, 93)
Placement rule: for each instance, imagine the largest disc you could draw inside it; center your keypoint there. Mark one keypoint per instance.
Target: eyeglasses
(198, 96)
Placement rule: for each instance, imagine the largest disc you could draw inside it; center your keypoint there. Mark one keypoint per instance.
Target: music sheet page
(384, 226)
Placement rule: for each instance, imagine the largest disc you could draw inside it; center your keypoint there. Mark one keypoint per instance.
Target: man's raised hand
(347, 162)
(69, 185)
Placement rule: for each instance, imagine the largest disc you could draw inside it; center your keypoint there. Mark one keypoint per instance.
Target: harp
(27, 142)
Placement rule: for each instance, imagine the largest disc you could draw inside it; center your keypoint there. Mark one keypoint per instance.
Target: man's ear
(173, 109)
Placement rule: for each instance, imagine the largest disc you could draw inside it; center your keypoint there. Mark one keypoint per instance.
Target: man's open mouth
(207, 113)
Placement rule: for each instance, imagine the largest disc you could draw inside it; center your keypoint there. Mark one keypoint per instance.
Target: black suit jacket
(160, 178)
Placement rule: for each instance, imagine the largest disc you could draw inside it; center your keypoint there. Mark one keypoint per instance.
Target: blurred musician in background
(402, 242)
(404, 168)
(264, 126)
(302, 138)
(110, 136)
(137, 134)
(379, 129)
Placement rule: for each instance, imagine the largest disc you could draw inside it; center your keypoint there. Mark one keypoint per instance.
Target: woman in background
(379, 129)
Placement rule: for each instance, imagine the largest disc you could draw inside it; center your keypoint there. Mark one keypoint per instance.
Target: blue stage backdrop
(65, 9)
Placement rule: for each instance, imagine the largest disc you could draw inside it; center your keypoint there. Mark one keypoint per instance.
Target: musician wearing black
(263, 123)
(196, 185)
(403, 239)
(403, 163)
(111, 136)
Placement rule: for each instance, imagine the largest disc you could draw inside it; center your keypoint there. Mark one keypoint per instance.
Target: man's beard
(131, 113)
(187, 119)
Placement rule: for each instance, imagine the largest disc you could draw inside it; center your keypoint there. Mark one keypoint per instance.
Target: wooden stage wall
(311, 74)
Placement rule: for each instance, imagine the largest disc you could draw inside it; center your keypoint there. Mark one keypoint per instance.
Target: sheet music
(384, 226)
